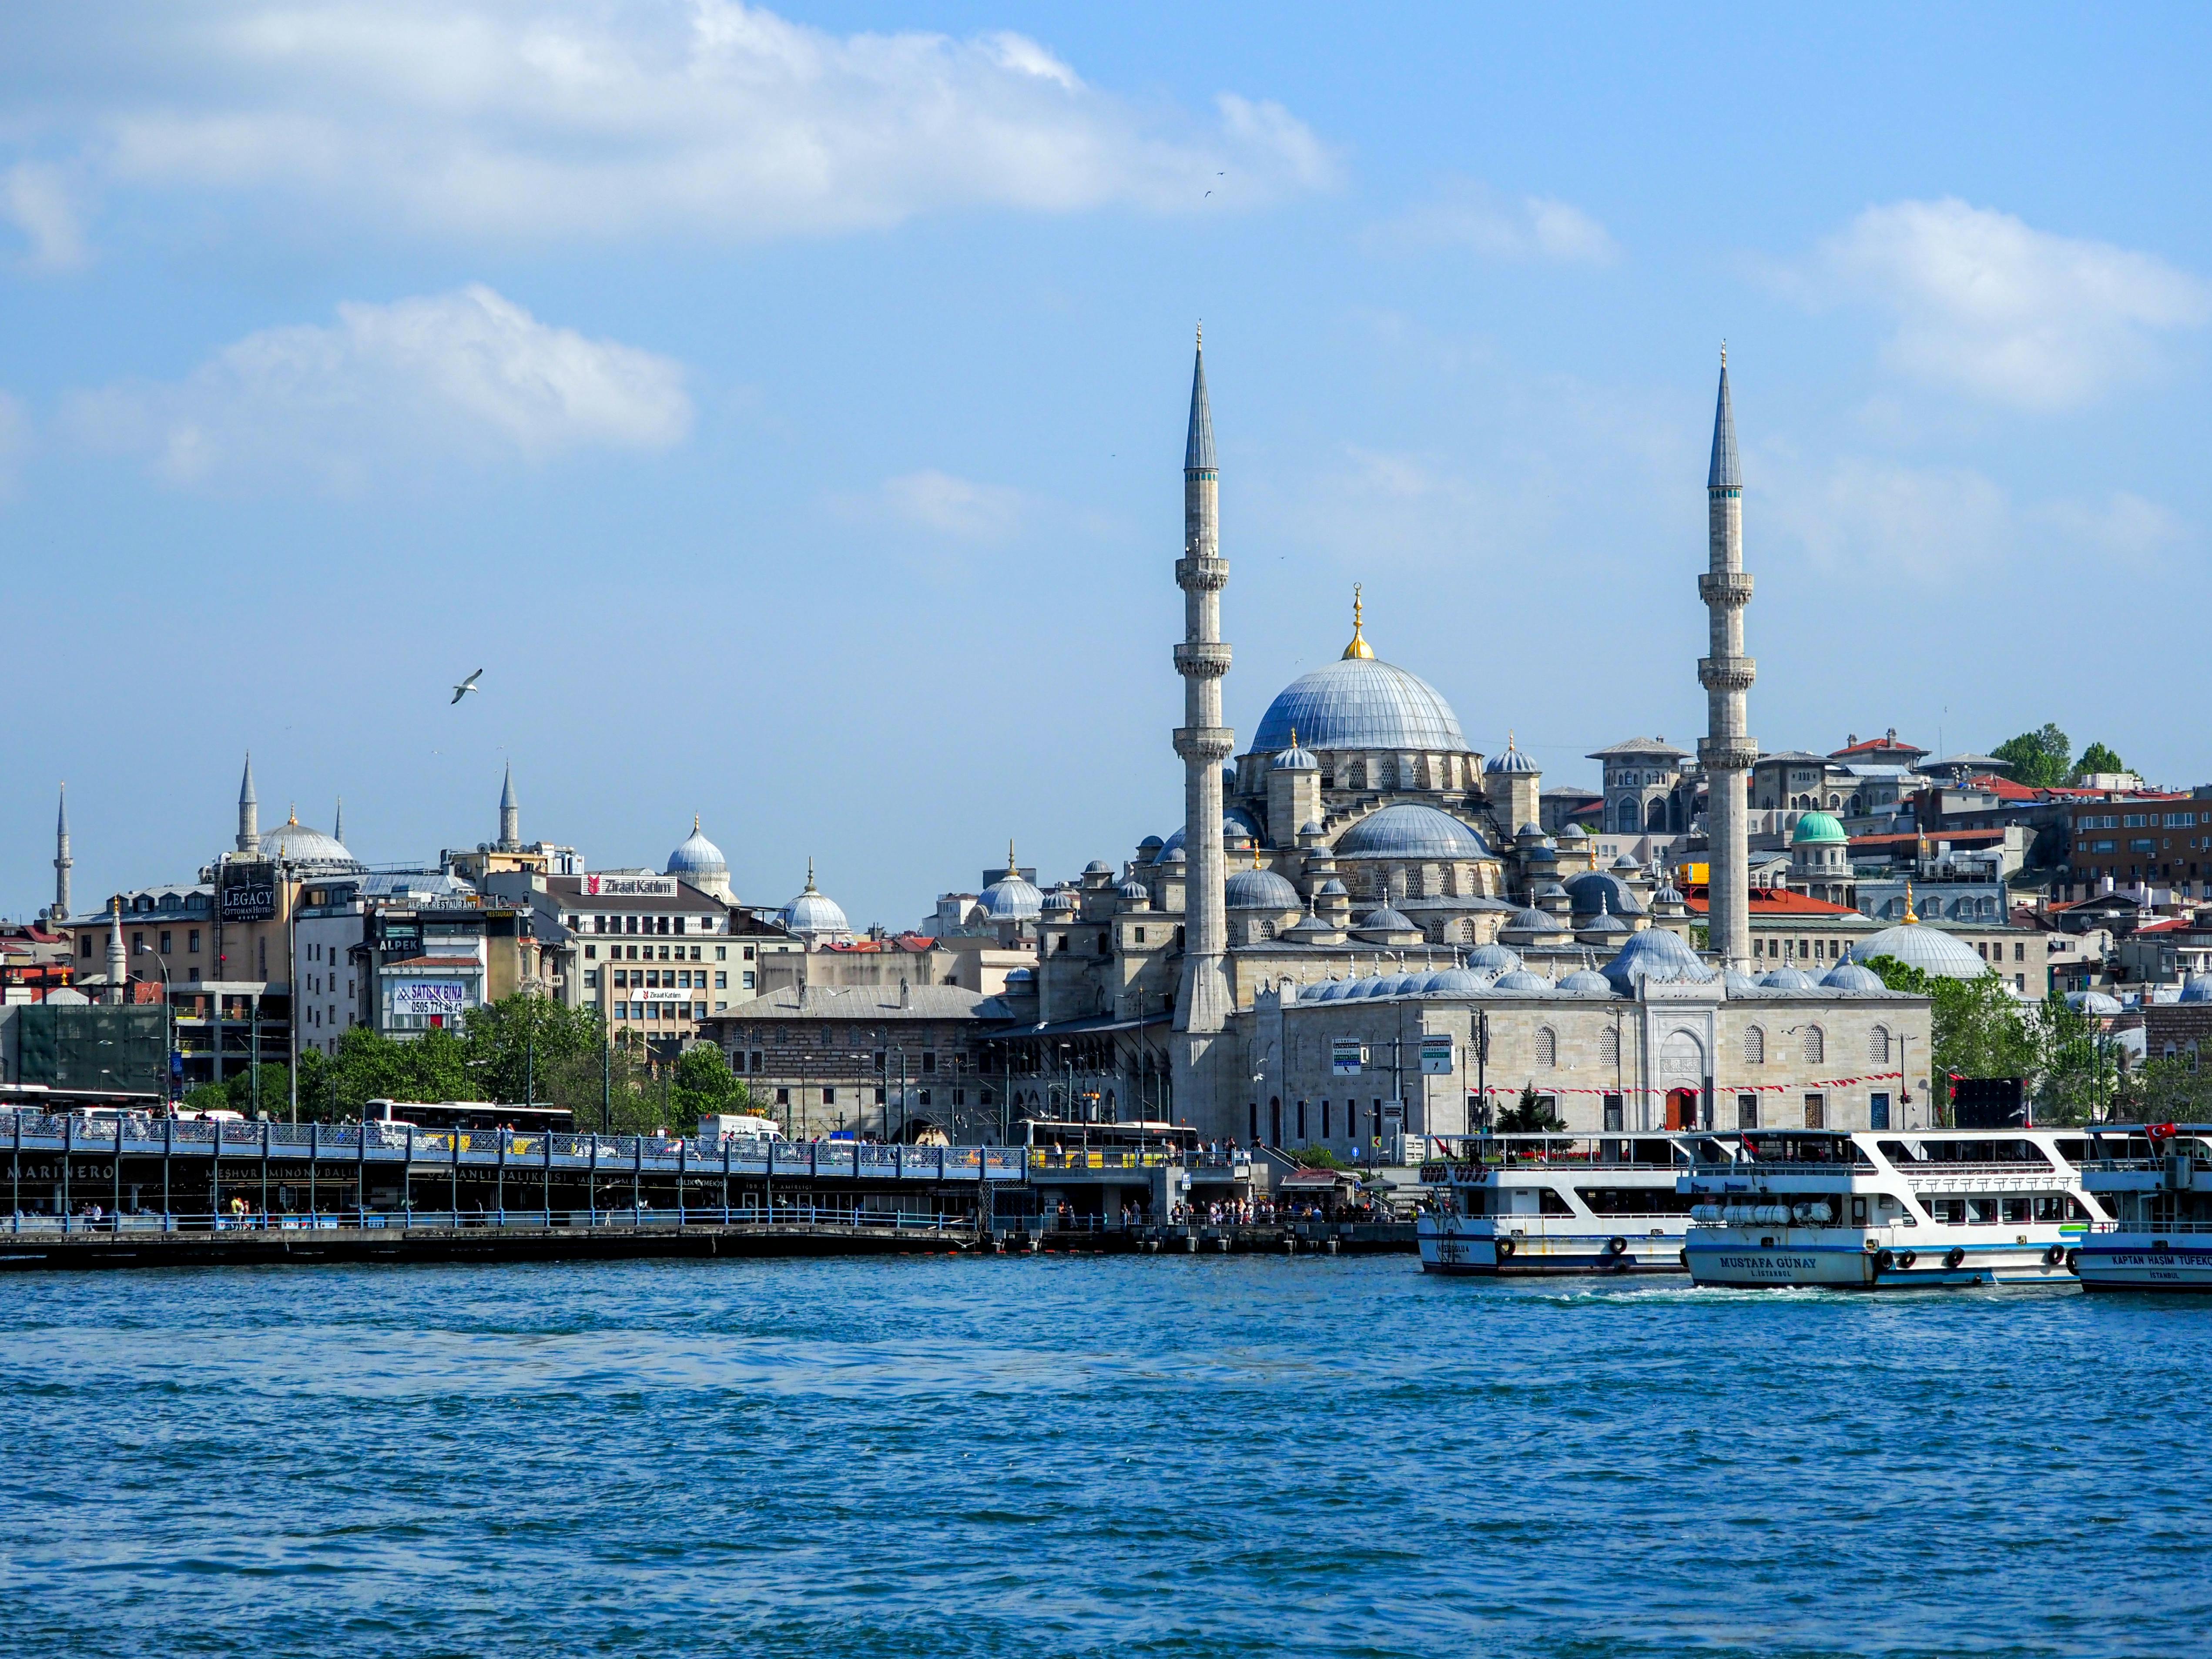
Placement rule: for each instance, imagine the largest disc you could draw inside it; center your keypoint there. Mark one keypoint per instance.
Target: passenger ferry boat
(2156, 1181)
(1877, 1209)
(1539, 1204)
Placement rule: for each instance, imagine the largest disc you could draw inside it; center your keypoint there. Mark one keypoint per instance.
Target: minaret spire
(337, 822)
(1727, 752)
(1203, 1005)
(249, 812)
(510, 815)
(119, 967)
(63, 861)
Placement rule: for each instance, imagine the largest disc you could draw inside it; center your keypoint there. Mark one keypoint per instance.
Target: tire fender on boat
(1683, 1256)
(1908, 1258)
(1504, 1249)
(2054, 1255)
(1616, 1245)
(2073, 1262)
(1953, 1256)
(1883, 1261)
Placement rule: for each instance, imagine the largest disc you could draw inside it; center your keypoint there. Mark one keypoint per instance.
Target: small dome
(1458, 983)
(1607, 923)
(1787, 979)
(1237, 824)
(1626, 866)
(1736, 983)
(1312, 827)
(1850, 976)
(1294, 759)
(1059, 900)
(1098, 867)
(1135, 889)
(1012, 897)
(1586, 982)
(1930, 949)
(1533, 921)
(697, 857)
(1411, 830)
(1550, 889)
(812, 915)
(1658, 955)
(1174, 856)
(1817, 827)
(1600, 890)
(1151, 844)
(1574, 832)
(1669, 895)
(1022, 976)
(1261, 890)
(1512, 761)
(1384, 920)
(2103, 1007)
(1333, 888)
(2197, 989)
(1521, 980)
(1529, 832)
(1331, 991)
(1492, 959)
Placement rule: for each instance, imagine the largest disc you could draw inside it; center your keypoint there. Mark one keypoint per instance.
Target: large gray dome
(697, 859)
(1930, 949)
(303, 845)
(1410, 830)
(1358, 703)
(1658, 955)
(1261, 890)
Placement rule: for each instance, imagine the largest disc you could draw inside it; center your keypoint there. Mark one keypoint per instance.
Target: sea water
(1124, 1455)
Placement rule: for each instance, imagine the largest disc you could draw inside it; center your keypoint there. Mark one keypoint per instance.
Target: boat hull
(1845, 1259)
(1461, 1248)
(2125, 1261)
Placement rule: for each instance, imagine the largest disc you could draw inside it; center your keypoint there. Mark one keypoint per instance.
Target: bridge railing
(845, 1218)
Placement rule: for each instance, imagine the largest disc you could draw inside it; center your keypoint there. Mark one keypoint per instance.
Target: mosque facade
(1363, 928)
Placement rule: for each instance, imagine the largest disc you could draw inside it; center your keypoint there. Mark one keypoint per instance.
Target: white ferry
(2156, 1181)
(1558, 1204)
(1877, 1209)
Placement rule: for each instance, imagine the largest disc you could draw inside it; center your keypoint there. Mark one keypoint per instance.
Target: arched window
(1547, 1046)
(1755, 1046)
(1656, 819)
(1816, 1045)
(1878, 1045)
(1608, 1046)
(1630, 822)
(1834, 801)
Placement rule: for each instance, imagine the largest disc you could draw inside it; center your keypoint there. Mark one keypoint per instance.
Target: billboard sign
(1346, 1057)
(1436, 1056)
(250, 898)
(430, 998)
(658, 994)
(610, 887)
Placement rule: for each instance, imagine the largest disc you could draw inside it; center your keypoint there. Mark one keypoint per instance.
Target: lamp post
(168, 1023)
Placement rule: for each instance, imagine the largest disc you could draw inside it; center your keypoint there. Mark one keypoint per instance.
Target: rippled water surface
(1133, 1455)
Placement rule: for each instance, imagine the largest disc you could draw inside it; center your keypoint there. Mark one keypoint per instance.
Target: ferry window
(1948, 1212)
(2049, 1206)
(1635, 1200)
(2015, 1209)
(1553, 1204)
(2074, 1210)
(1982, 1211)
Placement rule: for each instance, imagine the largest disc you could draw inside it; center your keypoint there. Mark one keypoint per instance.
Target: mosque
(1362, 927)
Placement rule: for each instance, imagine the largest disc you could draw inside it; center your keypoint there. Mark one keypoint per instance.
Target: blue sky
(785, 407)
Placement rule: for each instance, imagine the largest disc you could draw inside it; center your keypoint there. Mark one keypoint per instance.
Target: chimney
(906, 992)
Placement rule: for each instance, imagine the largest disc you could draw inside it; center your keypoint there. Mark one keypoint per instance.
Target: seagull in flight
(466, 686)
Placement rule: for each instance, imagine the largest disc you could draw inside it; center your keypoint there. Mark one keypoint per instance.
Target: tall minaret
(1727, 752)
(249, 812)
(63, 861)
(118, 965)
(1202, 740)
(337, 822)
(510, 816)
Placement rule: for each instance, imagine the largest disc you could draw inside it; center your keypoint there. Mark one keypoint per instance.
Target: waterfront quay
(157, 1191)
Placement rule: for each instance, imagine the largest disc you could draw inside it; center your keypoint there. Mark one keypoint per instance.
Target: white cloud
(470, 373)
(1472, 216)
(1990, 306)
(578, 119)
(958, 507)
(34, 197)
(1944, 528)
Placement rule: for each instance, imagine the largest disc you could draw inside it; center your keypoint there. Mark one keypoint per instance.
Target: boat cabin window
(1890, 1210)
(2015, 1209)
(1636, 1201)
(1981, 1212)
(2057, 1207)
(1803, 1149)
(1946, 1151)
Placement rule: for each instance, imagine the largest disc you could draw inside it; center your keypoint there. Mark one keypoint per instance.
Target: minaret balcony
(1727, 673)
(1725, 587)
(1204, 660)
(1727, 754)
(1206, 743)
(1201, 575)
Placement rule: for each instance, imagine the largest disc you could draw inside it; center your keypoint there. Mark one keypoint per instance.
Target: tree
(1978, 1028)
(2098, 758)
(704, 1083)
(1533, 1113)
(2039, 759)
(530, 1045)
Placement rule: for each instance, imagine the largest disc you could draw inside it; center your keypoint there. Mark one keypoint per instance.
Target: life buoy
(2073, 1262)
(1953, 1256)
(1883, 1261)
(2054, 1255)
(1505, 1250)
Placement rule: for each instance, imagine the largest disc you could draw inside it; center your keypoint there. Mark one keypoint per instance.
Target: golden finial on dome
(695, 824)
(1910, 919)
(1359, 648)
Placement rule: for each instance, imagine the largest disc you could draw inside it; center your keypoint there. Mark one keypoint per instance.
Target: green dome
(1817, 827)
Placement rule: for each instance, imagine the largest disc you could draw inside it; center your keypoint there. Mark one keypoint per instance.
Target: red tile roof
(1771, 902)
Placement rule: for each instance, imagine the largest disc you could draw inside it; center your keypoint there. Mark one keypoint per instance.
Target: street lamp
(168, 1022)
